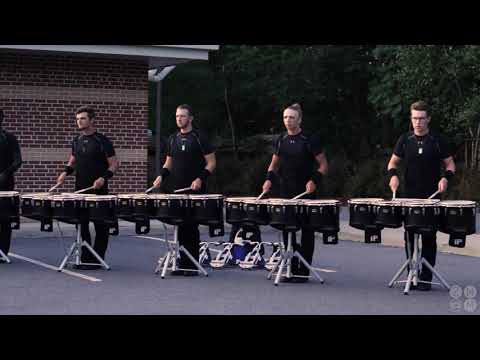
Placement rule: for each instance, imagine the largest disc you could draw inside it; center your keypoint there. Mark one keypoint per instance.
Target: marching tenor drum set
(418, 216)
(286, 215)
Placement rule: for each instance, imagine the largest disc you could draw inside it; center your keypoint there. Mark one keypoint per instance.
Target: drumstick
(147, 191)
(81, 191)
(394, 195)
(262, 195)
(435, 194)
(53, 188)
(182, 190)
(299, 196)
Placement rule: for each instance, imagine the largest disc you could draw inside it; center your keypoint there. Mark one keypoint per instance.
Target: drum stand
(169, 261)
(414, 262)
(286, 259)
(4, 257)
(77, 248)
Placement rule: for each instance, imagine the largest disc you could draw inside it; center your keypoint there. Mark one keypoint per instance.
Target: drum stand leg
(170, 258)
(286, 260)
(414, 262)
(4, 257)
(77, 248)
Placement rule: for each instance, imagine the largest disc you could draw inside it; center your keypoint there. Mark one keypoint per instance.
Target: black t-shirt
(10, 159)
(188, 152)
(297, 161)
(423, 156)
(91, 153)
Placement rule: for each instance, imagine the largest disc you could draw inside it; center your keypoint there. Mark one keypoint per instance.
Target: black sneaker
(299, 280)
(2, 261)
(286, 280)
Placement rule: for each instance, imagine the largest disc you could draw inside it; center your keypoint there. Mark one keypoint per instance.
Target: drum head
(458, 203)
(284, 202)
(320, 202)
(255, 201)
(100, 198)
(74, 195)
(172, 196)
(239, 199)
(366, 201)
(421, 203)
(126, 196)
(205, 196)
(141, 196)
(389, 203)
(67, 197)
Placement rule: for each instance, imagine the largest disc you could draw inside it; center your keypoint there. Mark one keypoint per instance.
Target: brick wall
(39, 95)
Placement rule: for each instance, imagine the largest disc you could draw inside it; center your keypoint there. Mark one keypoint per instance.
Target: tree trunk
(229, 115)
(466, 152)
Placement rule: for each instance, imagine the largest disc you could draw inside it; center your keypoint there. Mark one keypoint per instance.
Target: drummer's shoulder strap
(306, 139)
(75, 145)
(100, 141)
(436, 141)
(196, 135)
(79, 138)
(280, 140)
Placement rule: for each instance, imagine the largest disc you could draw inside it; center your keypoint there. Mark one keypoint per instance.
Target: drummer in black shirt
(190, 161)
(94, 162)
(424, 154)
(297, 166)
(10, 161)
